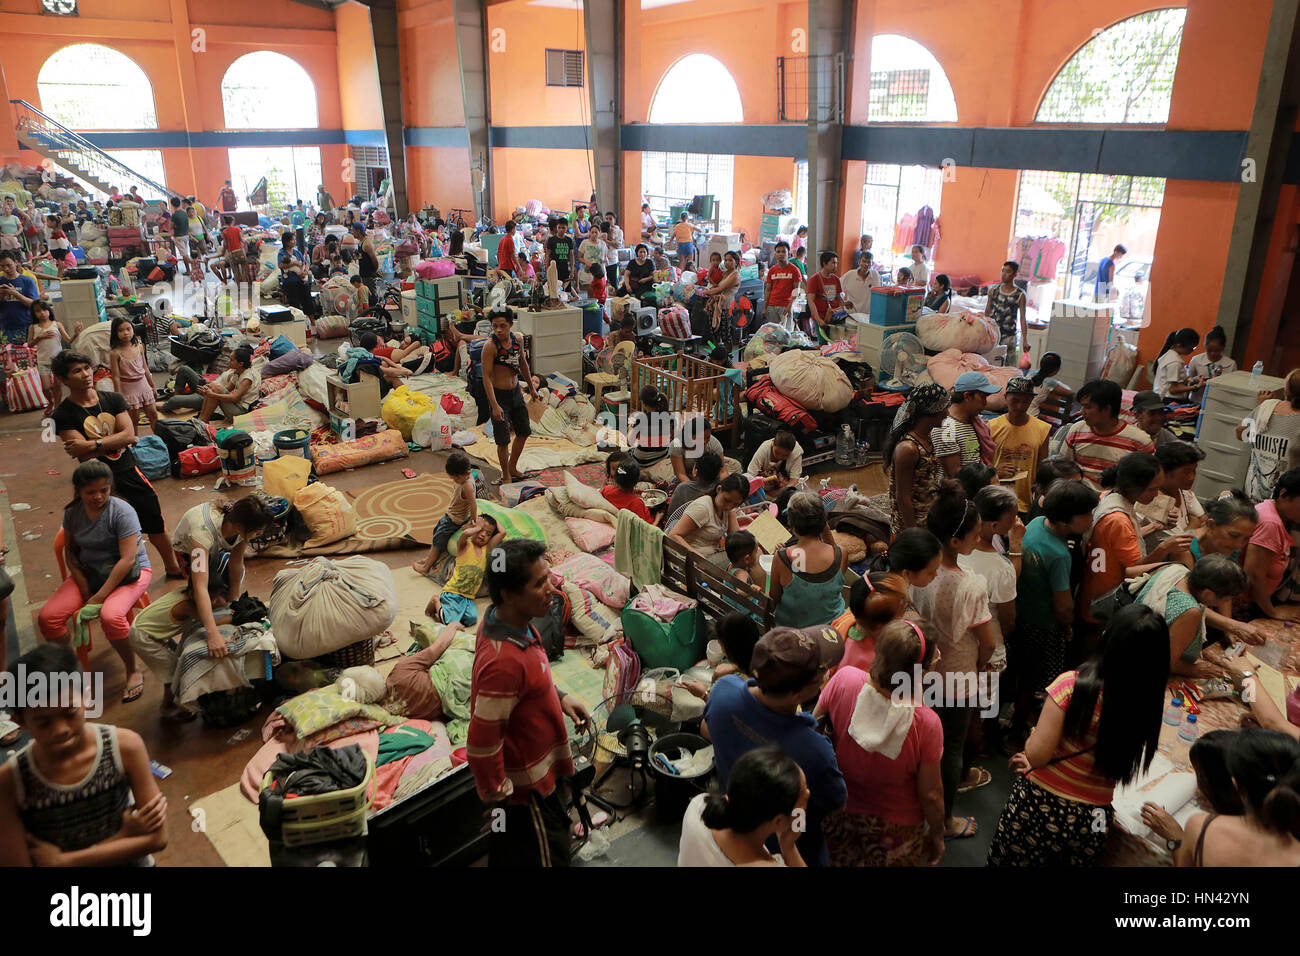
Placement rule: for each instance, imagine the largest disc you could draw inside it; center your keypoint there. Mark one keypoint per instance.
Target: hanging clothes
(924, 225)
(1048, 260)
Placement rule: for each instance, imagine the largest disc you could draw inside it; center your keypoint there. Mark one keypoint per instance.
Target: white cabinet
(1079, 332)
(1228, 399)
(557, 340)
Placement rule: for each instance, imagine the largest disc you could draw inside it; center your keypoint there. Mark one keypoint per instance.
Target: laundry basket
(323, 817)
(357, 654)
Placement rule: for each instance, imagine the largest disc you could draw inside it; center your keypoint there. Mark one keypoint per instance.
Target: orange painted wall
(360, 106)
(142, 30)
(754, 176)
(554, 176)
(517, 75)
(438, 176)
(976, 216)
(431, 92)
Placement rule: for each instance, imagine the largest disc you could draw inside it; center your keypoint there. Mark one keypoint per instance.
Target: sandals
(982, 779)
(134, 691)
(968, 829)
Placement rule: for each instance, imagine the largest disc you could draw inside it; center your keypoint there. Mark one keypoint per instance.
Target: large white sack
(325, 604)
(811, 379)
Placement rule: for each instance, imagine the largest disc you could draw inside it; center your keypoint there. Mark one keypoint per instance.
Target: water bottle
(1174, 712)
(1187, 732)
(844, 446)
(1256, 371)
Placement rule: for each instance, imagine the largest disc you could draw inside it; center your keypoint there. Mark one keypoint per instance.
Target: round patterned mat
(409, 508)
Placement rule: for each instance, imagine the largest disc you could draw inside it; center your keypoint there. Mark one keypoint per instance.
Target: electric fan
(902, 360)
(620, 734)
(647, 321)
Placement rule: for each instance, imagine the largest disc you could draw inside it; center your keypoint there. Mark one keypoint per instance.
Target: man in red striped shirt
(518, 744)
(1101, 439)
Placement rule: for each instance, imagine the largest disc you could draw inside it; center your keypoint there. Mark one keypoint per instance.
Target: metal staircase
(76, 154)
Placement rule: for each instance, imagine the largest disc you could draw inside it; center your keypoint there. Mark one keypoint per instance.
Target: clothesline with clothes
(1038, 256)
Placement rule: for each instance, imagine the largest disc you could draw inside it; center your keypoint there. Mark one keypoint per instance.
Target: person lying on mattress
(397, 362)
(456, 602)
(435, 682)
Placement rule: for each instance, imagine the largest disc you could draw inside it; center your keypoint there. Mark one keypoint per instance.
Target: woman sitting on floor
(210, 542)
(1183, 598)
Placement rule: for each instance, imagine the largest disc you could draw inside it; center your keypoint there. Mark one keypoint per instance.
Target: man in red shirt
(226, 198)
(783, 278)
(506, 261)
(824, 290)
(518, 744)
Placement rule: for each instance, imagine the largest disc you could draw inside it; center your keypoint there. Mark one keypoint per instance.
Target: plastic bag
(433, 429)
(403, 408)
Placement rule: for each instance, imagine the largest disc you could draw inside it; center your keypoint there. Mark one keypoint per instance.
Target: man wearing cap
(963, 437)
(1149, 413)
(1019, 440)
(789, 667)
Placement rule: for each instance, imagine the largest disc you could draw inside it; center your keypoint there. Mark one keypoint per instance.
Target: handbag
(97, 575)
(23, 392)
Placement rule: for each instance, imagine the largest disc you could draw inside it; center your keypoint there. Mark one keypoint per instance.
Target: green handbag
(678, 644)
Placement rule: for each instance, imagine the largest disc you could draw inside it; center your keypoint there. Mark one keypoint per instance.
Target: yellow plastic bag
(403, 407)
(283, 477)
(328, 513)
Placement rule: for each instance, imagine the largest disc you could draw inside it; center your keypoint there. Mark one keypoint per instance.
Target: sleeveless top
(509, 357)
(131, 369)
(924, 477)
(1003, 308)
(75, 816)
(1198, 855)
(811, 599)
(367, 267)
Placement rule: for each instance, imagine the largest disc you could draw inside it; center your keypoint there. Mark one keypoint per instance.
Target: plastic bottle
(844, 447)
(1187, 732)
(1174, 712)
(1256, 371)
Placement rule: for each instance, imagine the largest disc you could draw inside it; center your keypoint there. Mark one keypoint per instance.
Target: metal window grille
(673, 179)
(900, 95)
(890, 193)
(1089, 213)
(1125, 74)
(564, 67)
(370, 157)
(797, 77)
(60, 8)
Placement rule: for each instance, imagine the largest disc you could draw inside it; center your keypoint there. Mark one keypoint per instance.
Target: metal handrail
(93, 159)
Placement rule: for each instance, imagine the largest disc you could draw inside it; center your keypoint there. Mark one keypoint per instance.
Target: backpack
(180, 434)
(153, 457)
(281, 346)
(622, 670)
(198, 460)
(278, 529)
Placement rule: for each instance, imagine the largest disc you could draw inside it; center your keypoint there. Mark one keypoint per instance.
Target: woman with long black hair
(1100, 727)
(909, 456)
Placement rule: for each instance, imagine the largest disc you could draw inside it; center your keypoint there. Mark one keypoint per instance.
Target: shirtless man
(504, 364)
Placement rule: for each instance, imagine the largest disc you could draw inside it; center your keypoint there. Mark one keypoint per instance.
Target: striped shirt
(1094, 453)
(516, 726)
(1074, 775)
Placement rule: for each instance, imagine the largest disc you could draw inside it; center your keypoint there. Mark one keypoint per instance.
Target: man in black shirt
(181, 231)
(559, 249)
(95, 424)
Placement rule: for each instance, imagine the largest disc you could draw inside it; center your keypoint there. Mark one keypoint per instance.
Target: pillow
(591, 573)
(290, 361)
(585, 496)
(324, 707)
(559, 501)
(514, 522)
(590, 536)
(588, 613)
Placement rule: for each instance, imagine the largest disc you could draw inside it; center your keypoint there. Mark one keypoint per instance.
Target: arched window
(89, 86)
(907, 83)
(266, 90)
(1124, 74)
(696, 89)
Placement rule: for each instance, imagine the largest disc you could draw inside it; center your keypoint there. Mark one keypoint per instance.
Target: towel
(878, 724)
(638, 549)
(80, 624)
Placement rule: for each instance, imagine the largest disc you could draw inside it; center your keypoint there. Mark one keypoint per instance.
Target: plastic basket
(325, 816)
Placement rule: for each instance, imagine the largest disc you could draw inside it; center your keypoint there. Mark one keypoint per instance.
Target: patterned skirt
(857, 839)
(1039, 828)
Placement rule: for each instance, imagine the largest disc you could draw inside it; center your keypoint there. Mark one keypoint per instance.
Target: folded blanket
(198, 673)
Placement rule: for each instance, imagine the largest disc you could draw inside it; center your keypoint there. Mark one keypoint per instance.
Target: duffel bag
(199, 460)
(153, 457)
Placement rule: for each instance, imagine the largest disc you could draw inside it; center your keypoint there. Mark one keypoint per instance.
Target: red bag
(199, 460)
(23, 392)
(452, 404)
(675, 322)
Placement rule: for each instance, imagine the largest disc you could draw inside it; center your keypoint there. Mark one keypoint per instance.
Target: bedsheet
(540, 453)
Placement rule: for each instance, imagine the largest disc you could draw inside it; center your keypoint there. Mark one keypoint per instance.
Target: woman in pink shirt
(1270, 561)
(888, 746)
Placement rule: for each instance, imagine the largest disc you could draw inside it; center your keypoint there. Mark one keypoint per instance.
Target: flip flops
(982, 779)
(968, 829)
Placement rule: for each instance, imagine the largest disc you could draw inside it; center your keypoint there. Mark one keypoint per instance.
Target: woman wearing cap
(909, 456)
(765, 797)
(963, 437)
(808, 578)
(888, 746)
(956, 604)
(1100, 727)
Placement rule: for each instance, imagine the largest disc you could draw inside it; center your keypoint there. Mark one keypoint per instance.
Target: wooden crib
(692, 385)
